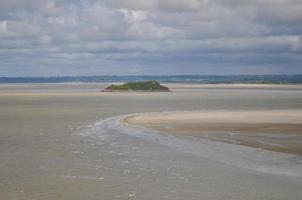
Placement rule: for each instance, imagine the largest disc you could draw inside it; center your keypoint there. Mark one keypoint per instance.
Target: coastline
(274, 130)
(95, 89)
(233, 86)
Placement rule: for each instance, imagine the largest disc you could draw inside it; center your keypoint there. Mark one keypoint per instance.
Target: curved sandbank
(276, 130)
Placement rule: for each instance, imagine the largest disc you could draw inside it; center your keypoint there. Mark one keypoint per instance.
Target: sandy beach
(63, 141)
(235, 86)
(265, 129)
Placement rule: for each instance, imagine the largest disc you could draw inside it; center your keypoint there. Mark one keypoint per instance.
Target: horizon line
(71, 76)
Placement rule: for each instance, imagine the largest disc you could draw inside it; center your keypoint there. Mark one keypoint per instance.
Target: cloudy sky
(118, 37)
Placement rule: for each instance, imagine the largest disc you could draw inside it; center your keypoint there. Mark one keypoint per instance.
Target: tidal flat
(55, 144)
(275, 130)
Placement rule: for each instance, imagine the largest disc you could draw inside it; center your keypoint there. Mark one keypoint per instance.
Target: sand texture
(277, 130)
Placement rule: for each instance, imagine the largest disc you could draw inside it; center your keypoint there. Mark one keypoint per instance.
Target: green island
(146, 86)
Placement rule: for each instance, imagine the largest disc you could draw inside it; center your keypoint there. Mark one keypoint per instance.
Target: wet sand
(236, 86)
(277, 130)
(53, 146)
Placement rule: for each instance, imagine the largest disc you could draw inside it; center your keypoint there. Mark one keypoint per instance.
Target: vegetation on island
(148, 86)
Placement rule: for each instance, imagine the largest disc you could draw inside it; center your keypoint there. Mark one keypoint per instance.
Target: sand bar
(277, 130)
(234, 86)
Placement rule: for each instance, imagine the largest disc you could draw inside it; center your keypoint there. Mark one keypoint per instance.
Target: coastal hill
(146, 86)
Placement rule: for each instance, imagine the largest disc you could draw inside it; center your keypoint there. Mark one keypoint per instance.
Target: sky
(152, 37)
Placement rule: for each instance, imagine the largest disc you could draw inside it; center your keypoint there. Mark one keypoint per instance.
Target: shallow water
(51, 148)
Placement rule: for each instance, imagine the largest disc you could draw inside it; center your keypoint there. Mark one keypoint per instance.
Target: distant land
(206, 79)
(143, 86)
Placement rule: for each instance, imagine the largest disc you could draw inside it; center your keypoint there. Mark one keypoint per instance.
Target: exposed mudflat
(63, 141)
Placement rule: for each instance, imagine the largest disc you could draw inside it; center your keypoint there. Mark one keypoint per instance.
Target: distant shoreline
(94, 89)
(206, 79)
(170, 85)
(233, 86)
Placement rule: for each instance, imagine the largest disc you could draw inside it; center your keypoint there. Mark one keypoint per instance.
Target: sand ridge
(265, 129)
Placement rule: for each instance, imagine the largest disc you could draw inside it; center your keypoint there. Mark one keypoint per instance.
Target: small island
(146, 86)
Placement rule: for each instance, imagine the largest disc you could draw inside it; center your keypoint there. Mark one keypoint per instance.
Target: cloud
(159, 5)
(154, 36)
(19, 29)
(43, 6)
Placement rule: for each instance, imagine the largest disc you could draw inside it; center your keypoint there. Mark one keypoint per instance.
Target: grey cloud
(43, 6)
(19, 29)
(158, 5)
(149, 36)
